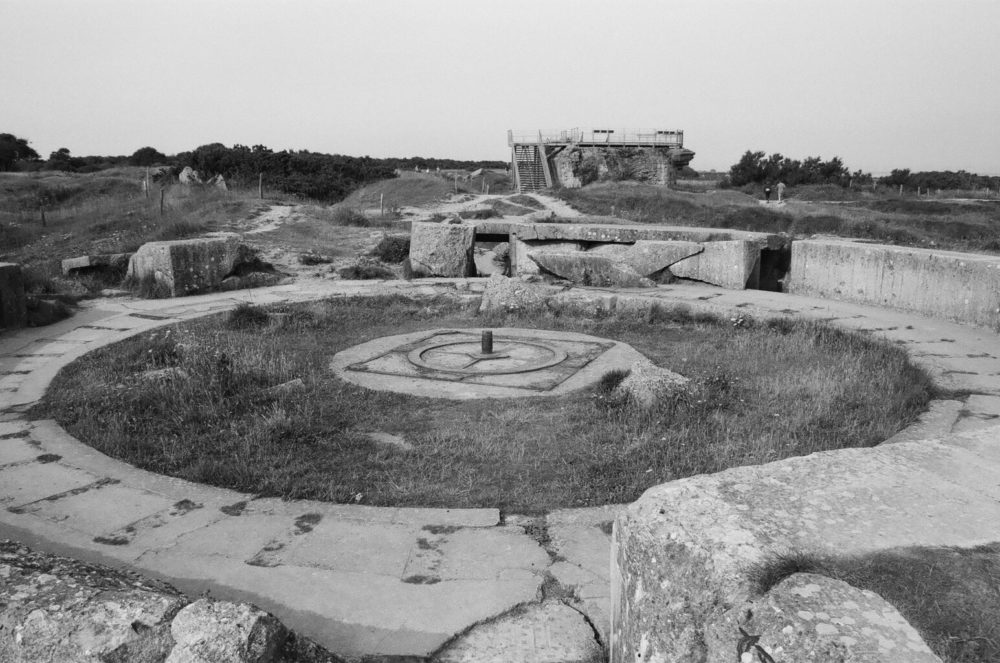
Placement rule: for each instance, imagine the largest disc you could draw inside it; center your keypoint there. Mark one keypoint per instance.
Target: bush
(247, 316)
(365, 270)
(346, 216)
(392, 248)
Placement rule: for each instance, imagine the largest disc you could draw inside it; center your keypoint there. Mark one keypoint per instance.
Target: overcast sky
(882, 84)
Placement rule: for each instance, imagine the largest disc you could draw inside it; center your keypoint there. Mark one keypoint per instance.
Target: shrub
(247, 316)
(392, 248)
(364, 271)
(346, 216)
(314, 259)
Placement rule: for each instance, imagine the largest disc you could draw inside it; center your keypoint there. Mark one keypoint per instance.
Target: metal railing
(600, 136)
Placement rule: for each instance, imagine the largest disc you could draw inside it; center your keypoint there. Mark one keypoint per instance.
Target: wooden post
(145, 184)
(456, 183)
(381, 206)
(900, 190)
(161, 201)
(41, 209)
(260, 185)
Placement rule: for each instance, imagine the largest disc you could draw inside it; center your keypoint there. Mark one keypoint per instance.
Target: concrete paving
(366, 580)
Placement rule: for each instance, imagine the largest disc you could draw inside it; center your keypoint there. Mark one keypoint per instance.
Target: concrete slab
(238, 538)
(353, 546)
(17, 450)
(24, 484)
(9, 428)
(980, 411)
(472, 554)
(936, 422)
(102, 509)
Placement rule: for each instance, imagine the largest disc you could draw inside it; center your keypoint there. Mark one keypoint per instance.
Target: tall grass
(758, 393)
(961, 226)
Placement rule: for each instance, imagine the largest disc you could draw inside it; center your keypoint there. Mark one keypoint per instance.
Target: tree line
(757, 168)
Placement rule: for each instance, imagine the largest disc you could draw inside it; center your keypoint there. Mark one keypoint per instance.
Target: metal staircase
(529, 168)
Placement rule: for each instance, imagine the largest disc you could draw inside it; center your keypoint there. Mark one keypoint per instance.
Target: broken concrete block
(558, 633)
(648, 384)
(13, 304)
(521, 251)
(590, 268)
(438, 249)
(811, 617)
(108, 262)
(648, 257)
(513, 294)
(191, 265)
(733, 264)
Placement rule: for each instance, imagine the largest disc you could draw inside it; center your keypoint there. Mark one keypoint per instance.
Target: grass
(950, 595)
(953, 225)
(759, 393)
(409, 189)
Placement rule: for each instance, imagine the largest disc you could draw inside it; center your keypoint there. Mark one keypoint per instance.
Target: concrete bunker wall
(944, 284)
(618, 255)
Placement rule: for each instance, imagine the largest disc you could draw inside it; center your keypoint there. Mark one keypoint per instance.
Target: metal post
(487, 345)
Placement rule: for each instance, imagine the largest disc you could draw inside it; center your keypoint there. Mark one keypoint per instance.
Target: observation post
(545, 159)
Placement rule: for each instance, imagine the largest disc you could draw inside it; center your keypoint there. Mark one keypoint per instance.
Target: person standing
(767, 194)
(781, 190)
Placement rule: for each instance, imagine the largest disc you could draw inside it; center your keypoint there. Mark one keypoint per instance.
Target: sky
(882, 84)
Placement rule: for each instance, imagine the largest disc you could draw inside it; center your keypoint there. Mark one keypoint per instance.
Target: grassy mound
(758, 393)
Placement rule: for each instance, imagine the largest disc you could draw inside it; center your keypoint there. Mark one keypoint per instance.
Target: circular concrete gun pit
(478, 363)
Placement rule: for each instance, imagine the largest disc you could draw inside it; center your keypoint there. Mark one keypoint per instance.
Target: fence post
(260, 185)
(161, 201)
(145, 184)
(381, 206)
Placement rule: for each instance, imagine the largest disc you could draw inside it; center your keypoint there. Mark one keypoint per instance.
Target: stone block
(943, 284)
(189, 266)
(209, 631)
(442, 249)
(13, 303)
(733, 264)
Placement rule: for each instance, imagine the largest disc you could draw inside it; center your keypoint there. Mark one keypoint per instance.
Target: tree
(147, 156)
(14, 149)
